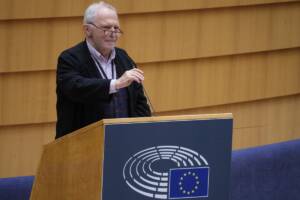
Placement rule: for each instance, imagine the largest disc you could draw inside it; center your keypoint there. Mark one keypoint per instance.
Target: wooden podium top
(145, 120)
(166, 118)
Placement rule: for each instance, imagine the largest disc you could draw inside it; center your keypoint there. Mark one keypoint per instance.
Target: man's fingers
(135, 75)
(137, 70)
(129, 76)
(138, 75)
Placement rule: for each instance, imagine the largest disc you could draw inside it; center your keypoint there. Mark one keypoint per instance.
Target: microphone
(146, 94)
(148, 99)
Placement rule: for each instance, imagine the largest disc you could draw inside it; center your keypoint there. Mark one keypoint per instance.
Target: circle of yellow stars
(196, 186)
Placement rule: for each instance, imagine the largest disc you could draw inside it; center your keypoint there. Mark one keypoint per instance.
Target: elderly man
(95, 79)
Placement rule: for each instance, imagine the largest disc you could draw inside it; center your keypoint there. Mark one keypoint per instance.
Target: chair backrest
(266, 172)
(16, 188)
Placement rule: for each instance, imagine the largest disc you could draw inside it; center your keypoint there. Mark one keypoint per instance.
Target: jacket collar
(89, 62)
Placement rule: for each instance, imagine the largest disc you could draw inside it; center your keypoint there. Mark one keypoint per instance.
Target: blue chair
(266, 172)
(16, 188)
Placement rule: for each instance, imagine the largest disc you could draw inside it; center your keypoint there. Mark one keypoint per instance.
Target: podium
(177, 157)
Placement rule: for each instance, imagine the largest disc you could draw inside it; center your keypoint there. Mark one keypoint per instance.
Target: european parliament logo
(168, 172)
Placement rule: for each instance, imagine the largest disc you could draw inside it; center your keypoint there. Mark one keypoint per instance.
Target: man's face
(102, 33)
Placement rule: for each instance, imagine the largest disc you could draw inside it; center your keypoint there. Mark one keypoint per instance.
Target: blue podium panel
(167, 160)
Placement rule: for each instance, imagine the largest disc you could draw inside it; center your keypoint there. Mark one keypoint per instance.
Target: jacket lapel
(89, 63)
(119, 66)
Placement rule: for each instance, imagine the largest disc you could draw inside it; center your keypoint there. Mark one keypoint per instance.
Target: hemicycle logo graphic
(187, 178)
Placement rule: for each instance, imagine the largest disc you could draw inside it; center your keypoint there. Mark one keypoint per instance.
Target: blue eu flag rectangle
(188, 182)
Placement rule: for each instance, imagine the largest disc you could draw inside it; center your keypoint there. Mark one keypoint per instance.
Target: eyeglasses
(108, 29)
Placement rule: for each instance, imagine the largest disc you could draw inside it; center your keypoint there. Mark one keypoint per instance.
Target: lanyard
(103, 72)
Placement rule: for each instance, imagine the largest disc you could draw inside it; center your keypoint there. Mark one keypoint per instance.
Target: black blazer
(81, 91)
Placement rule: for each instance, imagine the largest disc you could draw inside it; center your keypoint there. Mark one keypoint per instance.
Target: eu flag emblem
(188, 182)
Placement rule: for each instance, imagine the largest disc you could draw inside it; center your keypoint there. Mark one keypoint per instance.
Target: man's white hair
(93, 9)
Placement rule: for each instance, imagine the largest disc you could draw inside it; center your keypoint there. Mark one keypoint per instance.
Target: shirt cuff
(112, 87)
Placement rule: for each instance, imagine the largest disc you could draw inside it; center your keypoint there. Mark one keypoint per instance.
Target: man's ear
(87, 30)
